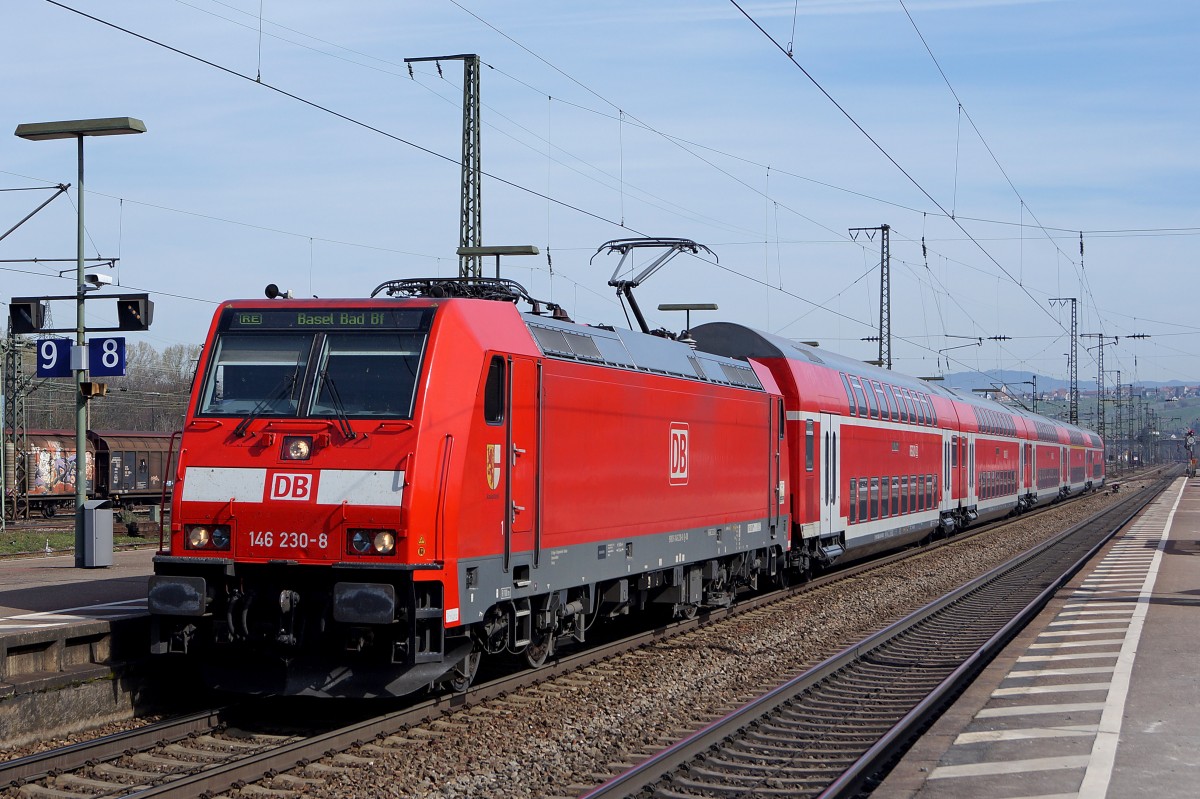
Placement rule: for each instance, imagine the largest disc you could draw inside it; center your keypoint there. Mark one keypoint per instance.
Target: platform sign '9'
(680, 456)
(54, 357)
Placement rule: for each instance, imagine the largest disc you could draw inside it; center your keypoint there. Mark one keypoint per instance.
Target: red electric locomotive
(371, 494)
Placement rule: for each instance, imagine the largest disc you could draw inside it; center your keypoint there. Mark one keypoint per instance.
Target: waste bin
(97, 533)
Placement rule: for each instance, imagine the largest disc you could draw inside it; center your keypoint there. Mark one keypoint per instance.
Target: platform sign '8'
(106, 357)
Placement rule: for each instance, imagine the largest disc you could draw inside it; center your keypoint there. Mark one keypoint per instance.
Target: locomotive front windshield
(360, 363)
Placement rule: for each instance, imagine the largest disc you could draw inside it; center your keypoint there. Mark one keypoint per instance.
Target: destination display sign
(325, 318)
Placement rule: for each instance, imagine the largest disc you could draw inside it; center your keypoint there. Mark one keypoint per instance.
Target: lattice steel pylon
(1100, 339)
(885, 291)
(15, 481)
(471, 200)
(1073, 366)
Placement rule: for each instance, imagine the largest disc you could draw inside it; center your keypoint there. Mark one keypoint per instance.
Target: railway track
(830, 731)
(198, 754)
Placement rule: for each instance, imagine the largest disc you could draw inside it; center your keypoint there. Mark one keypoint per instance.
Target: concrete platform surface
(1100, 696)
(36, 593)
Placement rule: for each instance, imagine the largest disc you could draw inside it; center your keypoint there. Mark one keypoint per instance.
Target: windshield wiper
(282, 391)
(339, 409)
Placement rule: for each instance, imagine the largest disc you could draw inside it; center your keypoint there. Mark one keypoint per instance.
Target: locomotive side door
(522, 524)
(830, 474)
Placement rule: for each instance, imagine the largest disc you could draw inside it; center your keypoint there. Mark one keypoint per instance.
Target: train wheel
(48, 510)
(541, 643)
(464, 673)
(687, 611)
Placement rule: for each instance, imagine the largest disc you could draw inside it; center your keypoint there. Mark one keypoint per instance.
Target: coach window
(493, 392)
(874, 497)
(903, 495)
(853, 500)
(872, 402)
(885, 498)
(864, 488)
(808, 446)
(932, 412)
(858, 392)
(899, 404)
(954, 451)
(782, 420)
(849, 395)
(895, 495)
(885, 412)
(912, 493)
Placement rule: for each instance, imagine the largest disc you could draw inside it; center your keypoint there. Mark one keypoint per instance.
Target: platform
(64, 627)
(1100, 696)
(38, 592)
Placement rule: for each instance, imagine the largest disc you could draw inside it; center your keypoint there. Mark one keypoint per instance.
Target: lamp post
(77, 129)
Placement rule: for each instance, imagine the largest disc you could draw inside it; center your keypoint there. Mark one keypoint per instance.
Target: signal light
(90, 390)
(134, 312)
(26, 315)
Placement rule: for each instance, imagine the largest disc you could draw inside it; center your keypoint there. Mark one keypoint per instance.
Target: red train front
(372, 494)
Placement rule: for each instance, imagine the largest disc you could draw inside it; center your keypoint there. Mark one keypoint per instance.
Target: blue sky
(670, 119)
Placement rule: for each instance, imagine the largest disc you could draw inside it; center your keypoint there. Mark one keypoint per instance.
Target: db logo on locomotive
(291, 486)
(679, 453)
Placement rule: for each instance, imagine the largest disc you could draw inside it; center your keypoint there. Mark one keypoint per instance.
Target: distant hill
(1016, 381)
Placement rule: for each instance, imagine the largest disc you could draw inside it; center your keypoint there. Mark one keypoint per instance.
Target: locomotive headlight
(198, 537)
(360, 541)
(202, 536)
(371, 542)
(220, 537)
(385, 543)
(297, 448)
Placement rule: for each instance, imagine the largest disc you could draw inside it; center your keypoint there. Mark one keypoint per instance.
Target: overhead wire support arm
(62, 188)
(671, 246)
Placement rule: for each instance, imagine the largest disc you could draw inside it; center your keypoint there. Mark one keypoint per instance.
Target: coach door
(830, 474)
(948, 443)
(777, 495)
(522, 532)
(957, 467)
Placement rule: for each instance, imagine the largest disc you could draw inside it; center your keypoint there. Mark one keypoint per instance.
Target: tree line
(152, 396)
